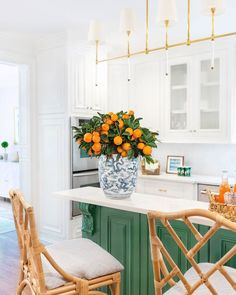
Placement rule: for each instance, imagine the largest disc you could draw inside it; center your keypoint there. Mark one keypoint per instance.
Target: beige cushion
(81, 258)
(217, 280)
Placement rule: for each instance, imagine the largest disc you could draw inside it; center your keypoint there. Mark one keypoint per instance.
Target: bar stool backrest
(29, 244)
(165, 274)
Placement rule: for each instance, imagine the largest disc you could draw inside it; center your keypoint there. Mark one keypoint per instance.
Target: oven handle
(85, 173)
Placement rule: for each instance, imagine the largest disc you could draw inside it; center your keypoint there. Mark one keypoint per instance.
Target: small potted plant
(5, 145)
(118, 140)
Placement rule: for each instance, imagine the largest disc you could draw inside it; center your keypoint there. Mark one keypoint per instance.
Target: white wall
(9, 100)
(205, 159)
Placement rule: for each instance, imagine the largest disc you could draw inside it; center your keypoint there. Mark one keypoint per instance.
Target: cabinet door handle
(162, 190)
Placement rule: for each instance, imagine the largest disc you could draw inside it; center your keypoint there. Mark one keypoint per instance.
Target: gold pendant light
(167, 16)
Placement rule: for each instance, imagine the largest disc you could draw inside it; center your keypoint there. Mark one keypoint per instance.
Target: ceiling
(35, 17)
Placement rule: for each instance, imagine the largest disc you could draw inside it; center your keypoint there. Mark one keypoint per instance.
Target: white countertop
(194, 179)
(140, 203)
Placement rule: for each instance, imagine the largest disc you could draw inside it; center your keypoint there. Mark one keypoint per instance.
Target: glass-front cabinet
(210, 93)
(178, 97)
(195, 100)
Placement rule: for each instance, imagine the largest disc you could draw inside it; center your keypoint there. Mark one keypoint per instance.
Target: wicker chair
(202, 278)
(82, 266)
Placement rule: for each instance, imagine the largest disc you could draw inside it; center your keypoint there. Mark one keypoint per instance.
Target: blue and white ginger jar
(118, 178)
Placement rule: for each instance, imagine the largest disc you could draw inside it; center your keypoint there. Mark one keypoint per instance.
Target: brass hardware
(213, 10)
(169, 46)
(189, 10)
(162, 190)
(188, 42)
(167, 26)
(128, 48)
(147, 27)
(97, 44)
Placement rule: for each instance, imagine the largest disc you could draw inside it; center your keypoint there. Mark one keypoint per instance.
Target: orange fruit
(118, 140)
(119, 149)
(124, 154)
(147, 150)
(97, 153)
(131, 113)
(110, 113)
(133, 138)
(96, 138)
(95, 133)
(88, 137)
(109, 121)
(125, 116)
(96, 147)
(114, 117)
(104, 132)
(137, 133)
(121, 123)
(126, 146)
(129, 130)
(105, 127)
(78, 141)
(141, 146)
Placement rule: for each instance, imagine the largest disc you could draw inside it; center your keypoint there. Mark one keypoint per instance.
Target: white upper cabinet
(195, 100)
(84, 96)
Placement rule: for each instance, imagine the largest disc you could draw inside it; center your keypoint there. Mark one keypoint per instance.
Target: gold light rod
(189, 22)
(169, 46)
(147, 27)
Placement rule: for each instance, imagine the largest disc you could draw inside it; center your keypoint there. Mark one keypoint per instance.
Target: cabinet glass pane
(178, 97)
(210, 95)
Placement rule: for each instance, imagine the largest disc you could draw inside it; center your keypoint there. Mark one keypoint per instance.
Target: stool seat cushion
(81, 258)
(217, 280)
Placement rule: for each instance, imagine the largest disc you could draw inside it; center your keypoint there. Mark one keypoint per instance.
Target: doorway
(9, 142)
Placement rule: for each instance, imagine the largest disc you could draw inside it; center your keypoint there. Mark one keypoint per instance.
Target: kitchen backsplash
(206, 159)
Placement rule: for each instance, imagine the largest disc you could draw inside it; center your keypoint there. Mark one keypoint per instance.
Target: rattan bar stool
(202, 278)
(70, 267)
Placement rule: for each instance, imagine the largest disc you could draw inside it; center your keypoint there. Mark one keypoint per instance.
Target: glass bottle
(234, 187)
(224, 187)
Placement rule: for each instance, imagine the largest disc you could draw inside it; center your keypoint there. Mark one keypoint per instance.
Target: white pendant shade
(95, 31)
(167, 11)
(127, 20)
(216, 4)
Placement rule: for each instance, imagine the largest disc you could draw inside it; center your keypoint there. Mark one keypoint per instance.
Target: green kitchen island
(120, 227)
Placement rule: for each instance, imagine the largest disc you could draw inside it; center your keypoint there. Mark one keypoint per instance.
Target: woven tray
(148, 172)
(226, 210)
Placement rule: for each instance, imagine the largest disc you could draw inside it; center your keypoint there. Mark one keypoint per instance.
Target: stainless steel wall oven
(84, 169)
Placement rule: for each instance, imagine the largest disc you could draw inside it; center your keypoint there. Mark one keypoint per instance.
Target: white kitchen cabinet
(118, 87)
(172, 189)
(84, 95)
(196, 101)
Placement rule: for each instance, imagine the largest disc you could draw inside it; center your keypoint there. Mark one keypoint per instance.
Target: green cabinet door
(120, 236)
(220, 244)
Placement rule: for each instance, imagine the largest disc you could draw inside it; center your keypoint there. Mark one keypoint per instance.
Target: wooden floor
(9, 260)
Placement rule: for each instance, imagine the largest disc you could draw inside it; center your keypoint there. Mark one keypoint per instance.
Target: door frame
(27, 115)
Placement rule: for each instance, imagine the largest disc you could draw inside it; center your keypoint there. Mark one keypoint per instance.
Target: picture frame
(173, 162)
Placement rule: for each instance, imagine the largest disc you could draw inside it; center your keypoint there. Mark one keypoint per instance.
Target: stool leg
(82, 288)
(115, 287)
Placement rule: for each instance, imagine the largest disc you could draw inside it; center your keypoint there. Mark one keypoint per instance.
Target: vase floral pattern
(118, 176)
